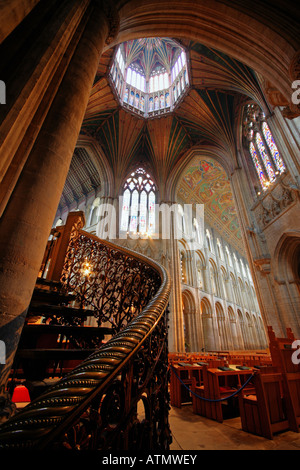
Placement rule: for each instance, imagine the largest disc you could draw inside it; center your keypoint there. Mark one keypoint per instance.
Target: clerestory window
(138, 204)
(262, 148)
(149, 75)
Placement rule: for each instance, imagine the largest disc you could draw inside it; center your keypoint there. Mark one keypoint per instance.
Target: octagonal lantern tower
(150, 76)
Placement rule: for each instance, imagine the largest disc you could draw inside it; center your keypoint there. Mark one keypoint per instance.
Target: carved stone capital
(263, 264)
(291, 111)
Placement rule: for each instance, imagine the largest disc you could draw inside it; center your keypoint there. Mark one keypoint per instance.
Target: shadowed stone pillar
(168, 231)
(28, 217)
(12, 13)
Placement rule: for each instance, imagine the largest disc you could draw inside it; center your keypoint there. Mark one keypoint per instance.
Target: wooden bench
(264, 413)
(219, 384)
(181, 378)
(282, 351)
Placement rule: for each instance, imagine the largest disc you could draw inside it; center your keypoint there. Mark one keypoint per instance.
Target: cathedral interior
(150, 228)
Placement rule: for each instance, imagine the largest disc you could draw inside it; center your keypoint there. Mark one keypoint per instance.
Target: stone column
(12, 12)
(29, 214)
(171, 251)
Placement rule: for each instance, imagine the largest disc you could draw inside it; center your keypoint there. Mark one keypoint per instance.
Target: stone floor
(193, 432)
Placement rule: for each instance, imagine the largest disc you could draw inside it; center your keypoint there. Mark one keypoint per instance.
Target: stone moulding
(275, 202)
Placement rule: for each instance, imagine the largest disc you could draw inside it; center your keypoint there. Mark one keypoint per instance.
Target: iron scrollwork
(117, 398)
(115, 284)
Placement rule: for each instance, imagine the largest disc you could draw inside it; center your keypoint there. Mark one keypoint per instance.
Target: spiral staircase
(93, 350)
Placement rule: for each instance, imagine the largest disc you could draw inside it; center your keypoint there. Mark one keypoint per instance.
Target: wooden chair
(181, 378)
(265, 413)
(282, 352)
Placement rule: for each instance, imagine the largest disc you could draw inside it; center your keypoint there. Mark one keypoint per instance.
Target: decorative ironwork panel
(115, 284)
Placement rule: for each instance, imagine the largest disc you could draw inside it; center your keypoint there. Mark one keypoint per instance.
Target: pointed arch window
(138, 205)
(262, 148)
(273, 148)
(264, 156)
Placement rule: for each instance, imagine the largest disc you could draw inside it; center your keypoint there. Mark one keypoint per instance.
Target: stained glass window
(273, 149)
(151, 104)
(142, 104)
(262, 178)
(143, 212)
(162, 61)
(138, 205)
(263, 150)
(125, 209)
(151, 227)
(265, 157)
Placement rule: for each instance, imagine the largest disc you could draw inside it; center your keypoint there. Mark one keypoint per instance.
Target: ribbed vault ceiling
(205, 117)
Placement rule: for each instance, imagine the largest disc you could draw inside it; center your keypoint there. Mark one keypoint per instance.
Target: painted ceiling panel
(101, 100)
(148, 54)
(205, 182)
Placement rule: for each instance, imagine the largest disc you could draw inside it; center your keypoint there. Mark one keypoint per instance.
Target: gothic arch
(286, 271)
(200, 267)
(219, 26)
(100, 161)
(205, 151)
(286, 259)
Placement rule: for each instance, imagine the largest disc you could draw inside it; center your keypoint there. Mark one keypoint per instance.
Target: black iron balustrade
(117, 399)
(112, 282)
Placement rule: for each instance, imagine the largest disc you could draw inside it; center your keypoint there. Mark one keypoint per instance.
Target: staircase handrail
(49, 416)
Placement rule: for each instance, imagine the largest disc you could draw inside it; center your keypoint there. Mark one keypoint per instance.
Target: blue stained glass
(125, 210)
(273, 148)
(259, 170)
(265, 157)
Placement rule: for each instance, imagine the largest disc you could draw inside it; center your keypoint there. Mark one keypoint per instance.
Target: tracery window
(138, 205)
(262, 148)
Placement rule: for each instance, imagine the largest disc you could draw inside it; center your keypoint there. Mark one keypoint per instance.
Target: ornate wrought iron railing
(117, 399)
